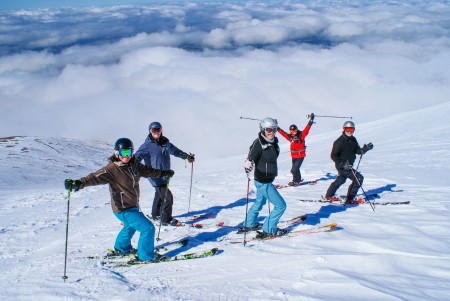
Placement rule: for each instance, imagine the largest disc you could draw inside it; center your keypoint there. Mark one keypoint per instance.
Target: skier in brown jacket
(122, 174)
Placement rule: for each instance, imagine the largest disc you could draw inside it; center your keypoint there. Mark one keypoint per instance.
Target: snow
(395, 253)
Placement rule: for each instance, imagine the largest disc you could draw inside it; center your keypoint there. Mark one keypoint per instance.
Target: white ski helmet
(348, 124)
(268, 123)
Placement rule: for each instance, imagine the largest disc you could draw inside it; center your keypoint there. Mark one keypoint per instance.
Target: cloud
(103, 73)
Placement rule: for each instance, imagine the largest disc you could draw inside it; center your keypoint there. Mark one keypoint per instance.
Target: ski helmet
(154, 125)
(268, 123)
(348, 124)
(123, 143)
(292, 127)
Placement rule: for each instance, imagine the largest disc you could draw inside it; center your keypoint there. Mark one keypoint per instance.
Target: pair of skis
(112, 260)
(191, 221)
(283, 224)
(281, 186)
(356, 201)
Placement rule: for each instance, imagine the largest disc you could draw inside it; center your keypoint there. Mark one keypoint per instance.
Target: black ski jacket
(264, 154)
(345, 149)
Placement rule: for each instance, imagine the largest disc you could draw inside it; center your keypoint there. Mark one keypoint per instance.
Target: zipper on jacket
(130, 169)
(121, 199)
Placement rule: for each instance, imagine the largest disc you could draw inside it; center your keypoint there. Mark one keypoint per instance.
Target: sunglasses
(126, 152)
(349, 129)
(271, 130)
(155, 130)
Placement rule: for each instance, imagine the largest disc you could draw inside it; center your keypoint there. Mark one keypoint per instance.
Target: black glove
(168, 173)
(248, 166)
(190, 158)
(70, 184)
(345, 165)
(311, 119)
(367, 147)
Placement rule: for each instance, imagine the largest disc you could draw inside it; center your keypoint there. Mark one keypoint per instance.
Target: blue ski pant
(264, 192)
(134, 220)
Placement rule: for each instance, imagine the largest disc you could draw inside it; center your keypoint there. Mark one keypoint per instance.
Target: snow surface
(395, 253)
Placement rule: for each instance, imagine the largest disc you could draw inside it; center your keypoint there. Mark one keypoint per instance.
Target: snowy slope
(394, 253)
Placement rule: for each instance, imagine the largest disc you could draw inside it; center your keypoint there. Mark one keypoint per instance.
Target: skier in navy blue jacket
(155, 152)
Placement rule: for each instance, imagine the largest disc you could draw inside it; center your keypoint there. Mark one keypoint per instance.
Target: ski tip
(331, 226)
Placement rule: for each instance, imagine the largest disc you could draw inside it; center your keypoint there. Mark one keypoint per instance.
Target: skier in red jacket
(297, 139)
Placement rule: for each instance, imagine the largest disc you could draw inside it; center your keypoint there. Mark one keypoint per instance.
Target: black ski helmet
(154, 125)
(123, 143)
(292, 127)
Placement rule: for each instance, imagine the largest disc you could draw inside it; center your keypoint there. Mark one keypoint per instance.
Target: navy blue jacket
(156, 153)
(264, 154)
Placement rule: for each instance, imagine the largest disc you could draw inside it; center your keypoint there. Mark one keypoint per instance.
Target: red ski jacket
(297, 141)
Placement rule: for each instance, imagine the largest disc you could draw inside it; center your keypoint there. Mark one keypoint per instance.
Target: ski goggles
(293, 131)
(126, 152)
(155, 130)
(270, 130)
(349, 129)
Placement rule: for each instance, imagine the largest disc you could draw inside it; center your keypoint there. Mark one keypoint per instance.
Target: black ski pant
(162, 204)
(343, 175)
(295, 170)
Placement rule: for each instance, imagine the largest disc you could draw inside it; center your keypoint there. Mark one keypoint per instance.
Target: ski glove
(311, 119)
(248, 166)
(367, 147)
(70, 184)
(190, 158)
(168, 173)
(345, 165)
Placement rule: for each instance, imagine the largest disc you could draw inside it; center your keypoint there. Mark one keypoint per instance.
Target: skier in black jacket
(263, 154)
(344, 152)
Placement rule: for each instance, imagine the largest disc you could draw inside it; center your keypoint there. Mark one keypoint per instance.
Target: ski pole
(326, 116)
(357, 166)
(162, 206)
(190, 188)
(246, 208)
(248, 118)
(67, 235)
(360, 185)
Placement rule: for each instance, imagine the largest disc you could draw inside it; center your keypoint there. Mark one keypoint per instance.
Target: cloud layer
(107, 72)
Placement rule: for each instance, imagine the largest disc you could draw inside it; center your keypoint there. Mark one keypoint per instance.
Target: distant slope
(32, 161)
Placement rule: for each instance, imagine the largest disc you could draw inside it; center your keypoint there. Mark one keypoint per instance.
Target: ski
(317, 229)
(379, 203)
(280, 186)
(203, 225)
(135, 262)
(189, 219)
(112, 255)
(357, 201)
(293, 221)
(172, 245)
(201, 216)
